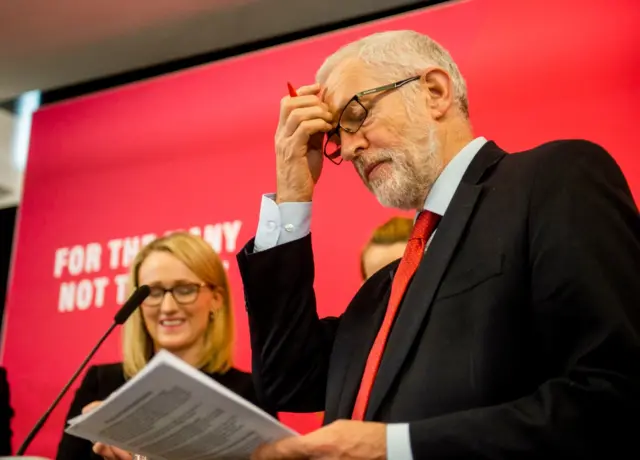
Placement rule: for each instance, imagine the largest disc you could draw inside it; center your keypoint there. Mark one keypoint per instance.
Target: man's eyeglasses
(183, 294)
(352, 117)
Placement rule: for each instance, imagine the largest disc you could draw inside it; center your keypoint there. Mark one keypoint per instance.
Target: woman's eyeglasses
(182, 293)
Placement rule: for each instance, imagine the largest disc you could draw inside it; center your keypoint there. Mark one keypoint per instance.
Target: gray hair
(398, 54)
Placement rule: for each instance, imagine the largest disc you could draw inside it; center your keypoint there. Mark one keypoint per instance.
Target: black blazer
(6, 414)
(519, 336)
(102, 380)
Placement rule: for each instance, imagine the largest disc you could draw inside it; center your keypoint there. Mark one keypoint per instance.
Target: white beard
(413, 169)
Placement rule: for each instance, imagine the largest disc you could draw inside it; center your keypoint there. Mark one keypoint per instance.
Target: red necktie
(422, 230)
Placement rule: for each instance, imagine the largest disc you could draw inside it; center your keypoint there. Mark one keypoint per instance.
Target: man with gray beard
(509, 329)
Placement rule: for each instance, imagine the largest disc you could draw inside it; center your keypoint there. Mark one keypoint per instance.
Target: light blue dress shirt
(286, 222)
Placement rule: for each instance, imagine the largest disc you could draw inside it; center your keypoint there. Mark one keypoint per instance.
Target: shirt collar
(445, 186)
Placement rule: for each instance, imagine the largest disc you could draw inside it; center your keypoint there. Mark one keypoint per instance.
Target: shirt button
(289, 227)
(271, 225)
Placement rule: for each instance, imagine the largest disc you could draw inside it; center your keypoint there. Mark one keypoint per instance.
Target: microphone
(120, 317)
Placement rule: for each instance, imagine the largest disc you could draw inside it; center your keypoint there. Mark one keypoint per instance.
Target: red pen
(292, 91)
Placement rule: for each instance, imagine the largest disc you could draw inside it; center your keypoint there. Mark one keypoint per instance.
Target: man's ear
(438, 91)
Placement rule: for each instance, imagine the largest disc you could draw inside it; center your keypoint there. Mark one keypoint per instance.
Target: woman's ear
(217, 300)
(438, 90)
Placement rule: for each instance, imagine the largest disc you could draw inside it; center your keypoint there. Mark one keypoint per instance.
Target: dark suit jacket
(519, 336)
(6, 414)
(102, 380)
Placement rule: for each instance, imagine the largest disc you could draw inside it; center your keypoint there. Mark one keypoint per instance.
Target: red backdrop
(194, 150)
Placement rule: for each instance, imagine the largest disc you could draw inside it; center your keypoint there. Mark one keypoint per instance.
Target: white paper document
(172, 411)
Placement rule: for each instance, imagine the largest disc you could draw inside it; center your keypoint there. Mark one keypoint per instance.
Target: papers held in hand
(170, 411)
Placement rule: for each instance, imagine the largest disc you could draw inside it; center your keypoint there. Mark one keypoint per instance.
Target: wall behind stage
(193, 150)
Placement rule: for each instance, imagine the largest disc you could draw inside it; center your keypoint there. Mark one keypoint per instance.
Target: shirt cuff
(281, 223)
(398, 442)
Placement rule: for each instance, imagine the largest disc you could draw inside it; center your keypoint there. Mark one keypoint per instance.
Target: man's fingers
(121, 454)
(308, 128)
(289, 104)
(297, 116)
(285, 449)
(261, 453)
(308, 89)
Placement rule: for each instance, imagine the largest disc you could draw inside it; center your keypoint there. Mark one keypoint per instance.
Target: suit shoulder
(566, 152)
(574, 160)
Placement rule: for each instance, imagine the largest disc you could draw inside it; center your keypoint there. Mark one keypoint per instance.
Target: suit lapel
(423, 288)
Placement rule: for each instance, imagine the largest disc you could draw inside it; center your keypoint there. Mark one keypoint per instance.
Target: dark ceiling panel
(54, 46)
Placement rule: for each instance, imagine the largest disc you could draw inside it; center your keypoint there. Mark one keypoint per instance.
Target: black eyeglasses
(183, 294)
(352, 117)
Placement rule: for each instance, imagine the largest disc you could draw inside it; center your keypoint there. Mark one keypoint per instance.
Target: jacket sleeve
(584, 258)
(290, 344)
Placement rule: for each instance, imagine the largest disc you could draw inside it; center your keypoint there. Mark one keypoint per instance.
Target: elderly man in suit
(509, 329)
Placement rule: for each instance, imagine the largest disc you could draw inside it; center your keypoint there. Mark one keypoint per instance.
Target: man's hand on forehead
(329, 97)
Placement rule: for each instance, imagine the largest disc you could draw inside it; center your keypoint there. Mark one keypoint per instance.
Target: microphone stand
(53, 405)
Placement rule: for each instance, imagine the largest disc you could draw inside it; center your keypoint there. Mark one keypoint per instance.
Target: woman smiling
(188, 313)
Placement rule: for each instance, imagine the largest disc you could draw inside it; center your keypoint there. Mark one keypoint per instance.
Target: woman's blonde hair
(395, 230)
(203, 261)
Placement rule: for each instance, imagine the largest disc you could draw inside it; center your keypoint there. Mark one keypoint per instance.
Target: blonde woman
(189, 313)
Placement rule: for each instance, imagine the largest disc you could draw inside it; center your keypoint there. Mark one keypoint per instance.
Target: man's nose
(352, 144)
